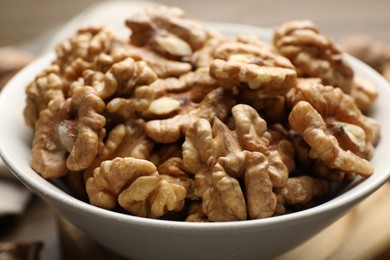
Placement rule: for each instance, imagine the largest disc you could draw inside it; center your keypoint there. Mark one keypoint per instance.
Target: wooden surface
(24, 20)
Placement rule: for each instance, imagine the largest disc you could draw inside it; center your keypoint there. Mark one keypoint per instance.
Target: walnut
(259, 54)
(136, 186)
(124, 140)
(166, 30)
(68, 133)
(162, 152)
(216, 104)
(140, 100)
(280, 141)
(341, 114)
(48, 154)
(82, 49)
(373, 52)
(195, 213)
(205, 55)
(153, 197)
(272, 107)
(46, 86)
(364, 93)
(308, 122)
(219, 157)
(313, 54)
(222, 197)
(175, 171)
(161, 65)
(255, 66)
(113, 176)
(179, 122)
(252, 39)
(303, 189)
(173, 94)
(125, 76)
(261, 200)
(270, 80)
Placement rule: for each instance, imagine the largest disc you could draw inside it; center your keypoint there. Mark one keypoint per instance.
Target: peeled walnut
(166, 30)
(253, 65)
(219, 156)
(222, 197)
(341, 115)
(48, 154)
(68, 133)
(46, 86)
(195, 213)
(113, 176)
(153, 197)
(204, 56)
(124, 140)
(161, 65)
(82, 49)
(162, 152)
(173, 95)
(175, 171)
(136, 186)
(364, 93)
(313, 54)
(216, 104)
(308, 122)
(180, 121)
(271, 80)
(251, 51)
(303, 189)
(373, 52)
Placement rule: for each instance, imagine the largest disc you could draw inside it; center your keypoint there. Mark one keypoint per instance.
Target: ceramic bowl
(142, 238)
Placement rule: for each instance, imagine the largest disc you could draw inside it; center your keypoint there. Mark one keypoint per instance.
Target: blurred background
(24, 20)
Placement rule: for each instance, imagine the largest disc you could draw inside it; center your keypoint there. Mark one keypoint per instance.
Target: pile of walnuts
(180, 122)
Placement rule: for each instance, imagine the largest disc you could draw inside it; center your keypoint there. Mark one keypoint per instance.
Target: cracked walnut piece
(313, 54)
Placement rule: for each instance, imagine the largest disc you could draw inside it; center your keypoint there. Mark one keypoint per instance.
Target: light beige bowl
(141, 238)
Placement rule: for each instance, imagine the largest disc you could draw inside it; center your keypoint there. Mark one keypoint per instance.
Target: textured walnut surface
(181, 122)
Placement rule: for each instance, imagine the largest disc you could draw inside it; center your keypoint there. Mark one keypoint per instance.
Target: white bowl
(142, 238)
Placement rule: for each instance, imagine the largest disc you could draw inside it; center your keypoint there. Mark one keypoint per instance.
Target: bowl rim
(50, 192)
